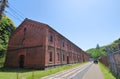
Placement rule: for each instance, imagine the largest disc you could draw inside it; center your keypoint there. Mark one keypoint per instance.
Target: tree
(6, 28)
(97, 47)
(3, 4)
(98, 52)
(113, 47)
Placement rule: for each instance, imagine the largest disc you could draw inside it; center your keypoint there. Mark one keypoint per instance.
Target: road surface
(93, 73)
(85, 71)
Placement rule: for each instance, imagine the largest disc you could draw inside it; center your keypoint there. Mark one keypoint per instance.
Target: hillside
(103, 49)
(6, 29)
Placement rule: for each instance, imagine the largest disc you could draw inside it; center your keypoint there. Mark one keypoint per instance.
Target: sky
(84, 22)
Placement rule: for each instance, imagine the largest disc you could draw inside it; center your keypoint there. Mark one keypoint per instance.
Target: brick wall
(37, 45)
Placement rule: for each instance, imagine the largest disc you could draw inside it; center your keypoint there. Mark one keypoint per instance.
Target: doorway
(67, 59)
(21, 61)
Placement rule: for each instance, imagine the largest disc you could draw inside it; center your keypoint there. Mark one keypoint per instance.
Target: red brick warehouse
(37, 45)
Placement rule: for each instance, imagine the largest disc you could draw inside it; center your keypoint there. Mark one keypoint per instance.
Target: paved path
(93, 73)
(69, 74)
(86, 71)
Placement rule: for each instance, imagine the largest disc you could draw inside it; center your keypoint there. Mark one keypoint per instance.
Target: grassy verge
(8, 73)
(106, 72)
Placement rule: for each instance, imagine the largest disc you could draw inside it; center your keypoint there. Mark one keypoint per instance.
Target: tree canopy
(6, 29)
(96, 52)
(101, 51)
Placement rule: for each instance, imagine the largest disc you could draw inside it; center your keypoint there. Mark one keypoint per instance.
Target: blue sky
(85, 22)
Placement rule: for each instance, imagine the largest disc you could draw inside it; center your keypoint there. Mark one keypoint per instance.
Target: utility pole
(3, 4)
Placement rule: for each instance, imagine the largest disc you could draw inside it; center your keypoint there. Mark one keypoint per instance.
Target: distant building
(37, 45)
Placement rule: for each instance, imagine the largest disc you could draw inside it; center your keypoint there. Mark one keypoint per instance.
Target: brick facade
(37, 45)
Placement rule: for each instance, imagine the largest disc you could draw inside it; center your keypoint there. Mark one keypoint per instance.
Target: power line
(13, 16)
(11, 10)
(15, 10)
(16, 13)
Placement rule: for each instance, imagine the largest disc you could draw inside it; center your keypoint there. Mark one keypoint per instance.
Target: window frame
(50, 57)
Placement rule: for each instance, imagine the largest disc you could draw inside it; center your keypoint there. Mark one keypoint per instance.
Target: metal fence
(112, 63)
(112, 60)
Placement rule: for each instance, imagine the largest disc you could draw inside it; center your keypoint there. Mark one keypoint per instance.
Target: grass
(106, 72)
(9, 73)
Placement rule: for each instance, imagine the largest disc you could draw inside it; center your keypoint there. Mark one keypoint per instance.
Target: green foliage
(101, 51)
(114, 45)
(96, 52)
(106, 72)
(6, 28)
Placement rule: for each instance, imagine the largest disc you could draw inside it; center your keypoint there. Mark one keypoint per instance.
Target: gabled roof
(40, 23)
(27, 21)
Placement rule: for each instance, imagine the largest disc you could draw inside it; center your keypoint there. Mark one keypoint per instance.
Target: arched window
(25, 29)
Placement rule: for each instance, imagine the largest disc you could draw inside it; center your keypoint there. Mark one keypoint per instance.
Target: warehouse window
(51, 38)
(50, 56)
(63, 57)
(25, 29)
(63, 44)
(50, 48)
(58, 56)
